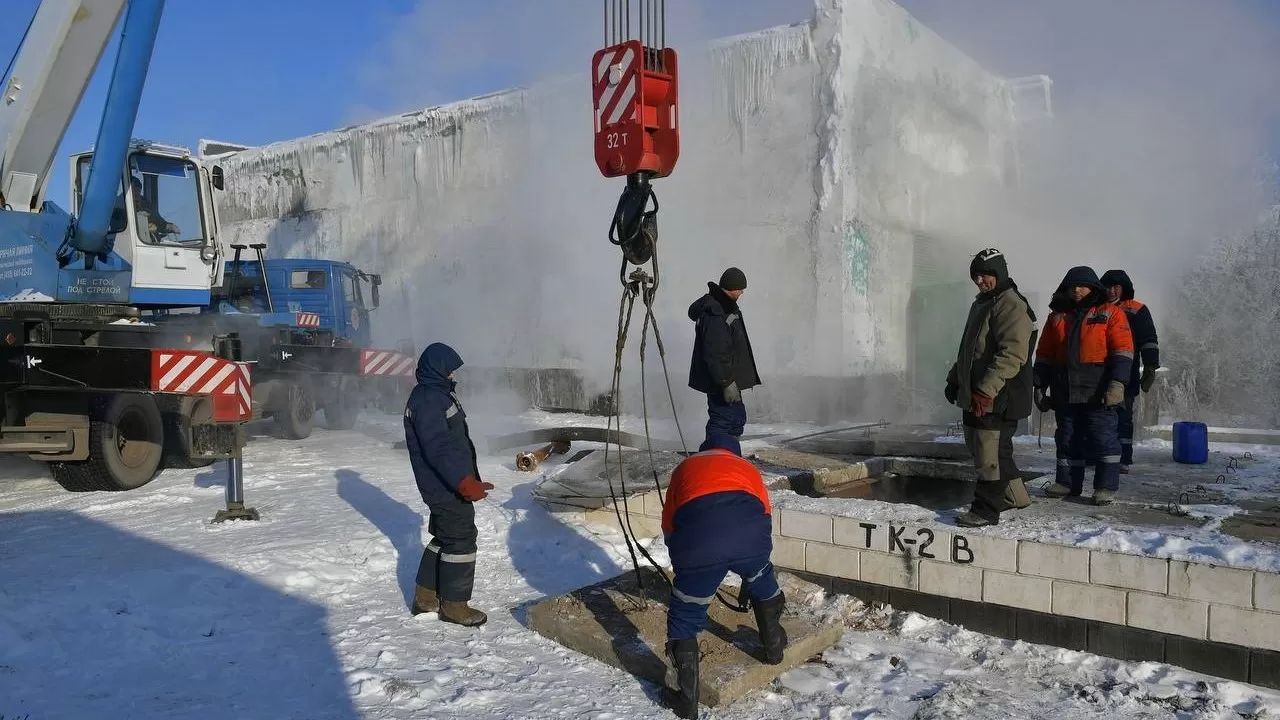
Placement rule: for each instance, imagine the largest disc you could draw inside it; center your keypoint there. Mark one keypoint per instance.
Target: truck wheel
(342, 413)
(178, 418)
(126, 445)
(298, 415)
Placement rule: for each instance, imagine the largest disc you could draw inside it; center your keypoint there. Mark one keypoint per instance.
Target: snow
(134, 605)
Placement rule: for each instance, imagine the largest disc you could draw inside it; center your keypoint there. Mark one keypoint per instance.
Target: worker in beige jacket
(991, 381)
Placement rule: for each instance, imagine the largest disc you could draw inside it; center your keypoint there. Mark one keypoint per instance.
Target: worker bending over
(716, 519)
(1083, 361)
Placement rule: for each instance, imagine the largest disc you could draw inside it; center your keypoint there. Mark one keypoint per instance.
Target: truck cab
(168, 227)
(337, 296)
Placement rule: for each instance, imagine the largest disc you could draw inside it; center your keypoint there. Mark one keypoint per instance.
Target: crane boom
(54, 66)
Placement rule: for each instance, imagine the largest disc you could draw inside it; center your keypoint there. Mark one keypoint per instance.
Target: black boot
(683, 655)
(773, 637)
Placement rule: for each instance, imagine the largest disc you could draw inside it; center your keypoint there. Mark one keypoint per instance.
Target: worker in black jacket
(723, 364)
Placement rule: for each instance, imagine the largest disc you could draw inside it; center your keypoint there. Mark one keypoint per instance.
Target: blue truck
(304, 328)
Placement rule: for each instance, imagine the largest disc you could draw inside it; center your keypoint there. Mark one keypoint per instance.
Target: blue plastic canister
(1190, 443)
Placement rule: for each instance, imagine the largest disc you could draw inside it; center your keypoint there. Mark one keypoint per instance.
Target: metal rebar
(663, 23)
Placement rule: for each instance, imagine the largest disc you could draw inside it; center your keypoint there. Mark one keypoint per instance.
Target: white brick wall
(1053, 561)
(993, 552)
(951, 580)
(789, 553)
(1266, 592)
(1251, 628)
(1020, 591)
(1128, 571)
(891, 570)
(1196, 581)
(806, 526)
(831, 560)
(1091, 602)
(1168, 615)
(1195, 600)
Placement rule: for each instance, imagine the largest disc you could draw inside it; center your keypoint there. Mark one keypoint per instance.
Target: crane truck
(85, 384)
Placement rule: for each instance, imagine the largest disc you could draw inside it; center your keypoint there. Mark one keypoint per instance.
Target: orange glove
(981, 404)
(473, 490)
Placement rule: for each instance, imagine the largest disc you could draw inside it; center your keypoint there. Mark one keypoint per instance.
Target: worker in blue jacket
(717, 519)
(444, 466)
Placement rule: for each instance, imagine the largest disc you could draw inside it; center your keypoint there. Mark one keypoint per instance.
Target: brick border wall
(1232, 662)
(1195, 601)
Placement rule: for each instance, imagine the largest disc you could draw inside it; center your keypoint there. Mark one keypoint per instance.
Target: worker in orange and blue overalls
(716, 519)
(1146, 344)
(1083, 362)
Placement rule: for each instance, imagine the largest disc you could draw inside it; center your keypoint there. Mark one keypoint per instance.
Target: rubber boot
(425, 600)
(1016, 495)
(460, 613)
(773, 637)
(683, 699)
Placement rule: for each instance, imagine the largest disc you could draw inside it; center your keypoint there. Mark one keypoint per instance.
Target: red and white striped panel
(616, 102)
(386, 363)
(308, 319)
(191, 372)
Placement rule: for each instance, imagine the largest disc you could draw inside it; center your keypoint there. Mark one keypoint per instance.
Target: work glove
(1115, 394)
(1043, 402)
(981, 404)
(1148, 378)
(952, 393)
(732, 394)
(473, 490)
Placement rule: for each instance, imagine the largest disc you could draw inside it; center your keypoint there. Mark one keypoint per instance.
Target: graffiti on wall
(857, 255)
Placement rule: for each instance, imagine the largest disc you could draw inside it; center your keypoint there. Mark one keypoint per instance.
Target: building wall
(811, 156)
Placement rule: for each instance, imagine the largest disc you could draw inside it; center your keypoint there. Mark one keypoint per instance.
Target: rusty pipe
(528, 461)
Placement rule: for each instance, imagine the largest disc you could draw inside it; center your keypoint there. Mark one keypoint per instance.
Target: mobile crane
(84, 384)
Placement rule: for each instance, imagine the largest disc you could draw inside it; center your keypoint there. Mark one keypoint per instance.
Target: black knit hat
(733, 279)
(989, 262)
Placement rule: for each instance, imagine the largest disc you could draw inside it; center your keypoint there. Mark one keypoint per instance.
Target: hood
(1121, 278)
(715, 302)
(721, 441)
(435, 364)
(1079, 275)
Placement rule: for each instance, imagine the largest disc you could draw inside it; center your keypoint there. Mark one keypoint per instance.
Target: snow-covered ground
(132, 605)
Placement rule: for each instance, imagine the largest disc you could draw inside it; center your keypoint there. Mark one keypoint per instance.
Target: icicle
(745, 68)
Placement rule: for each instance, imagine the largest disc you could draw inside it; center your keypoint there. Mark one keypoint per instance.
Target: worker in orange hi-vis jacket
(1083, 362)
(1147, 345)
(716, 520)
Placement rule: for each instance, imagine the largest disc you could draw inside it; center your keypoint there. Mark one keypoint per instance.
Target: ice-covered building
(827, 159)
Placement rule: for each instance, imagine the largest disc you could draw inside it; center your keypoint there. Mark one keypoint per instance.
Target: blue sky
(257, 71)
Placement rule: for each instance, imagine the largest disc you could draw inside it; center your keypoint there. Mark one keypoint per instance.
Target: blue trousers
(1088, 433)
(694, 591)
(1126, 430)
(725, 418)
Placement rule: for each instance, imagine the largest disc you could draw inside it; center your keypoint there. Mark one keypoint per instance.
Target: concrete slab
(615, 622)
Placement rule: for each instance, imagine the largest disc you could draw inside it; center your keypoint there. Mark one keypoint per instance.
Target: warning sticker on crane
(617, 84)
(386, 363)
(191, 372)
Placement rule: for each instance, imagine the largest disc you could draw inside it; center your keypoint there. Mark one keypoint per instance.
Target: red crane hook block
(637, 122)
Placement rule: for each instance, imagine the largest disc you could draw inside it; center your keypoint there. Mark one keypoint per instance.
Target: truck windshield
(166, 199)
